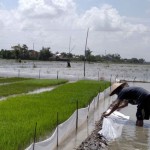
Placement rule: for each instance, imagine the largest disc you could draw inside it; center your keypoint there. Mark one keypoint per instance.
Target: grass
(13, 79)
(24, 86)
(18, 115)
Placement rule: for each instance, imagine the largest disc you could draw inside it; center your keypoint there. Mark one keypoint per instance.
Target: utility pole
(68, 61)
(85, 50)
(69, 45)
(33, 46)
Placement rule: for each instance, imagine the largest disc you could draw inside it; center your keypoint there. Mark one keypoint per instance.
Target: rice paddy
(18, 115)
(22, 85)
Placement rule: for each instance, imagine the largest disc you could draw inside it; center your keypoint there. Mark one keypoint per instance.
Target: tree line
(22, 52)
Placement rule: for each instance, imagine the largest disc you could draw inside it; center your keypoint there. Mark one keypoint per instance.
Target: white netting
(69, 126)
(63, 130)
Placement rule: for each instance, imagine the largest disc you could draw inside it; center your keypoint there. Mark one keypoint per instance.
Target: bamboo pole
(34, 135)
(85, 50)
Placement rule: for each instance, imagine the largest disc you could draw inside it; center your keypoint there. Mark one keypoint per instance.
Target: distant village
(21, 52)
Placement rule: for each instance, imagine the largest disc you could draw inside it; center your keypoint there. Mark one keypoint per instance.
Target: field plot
(13, 79)
(18, 115)
(13, 86)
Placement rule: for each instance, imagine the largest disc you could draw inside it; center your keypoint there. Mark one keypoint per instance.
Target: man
(133, 95)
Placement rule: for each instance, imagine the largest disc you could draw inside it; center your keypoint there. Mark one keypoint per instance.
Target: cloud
(107, 18)
(104, 18)
(45, 9)
(62, 13)
(52, 22)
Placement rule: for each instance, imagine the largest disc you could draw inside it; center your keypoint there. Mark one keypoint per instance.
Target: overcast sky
(115, 26)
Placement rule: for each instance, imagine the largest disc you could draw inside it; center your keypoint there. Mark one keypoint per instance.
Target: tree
(45, 53)
(88, 55)
(17, 51)
(6, 54)
(134, 60)
(64, 54)
(141, 61)
(24, 52)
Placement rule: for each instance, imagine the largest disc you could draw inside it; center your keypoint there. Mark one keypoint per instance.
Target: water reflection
(133, 138)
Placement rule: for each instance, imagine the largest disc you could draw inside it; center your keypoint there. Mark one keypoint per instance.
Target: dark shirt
(134, 95)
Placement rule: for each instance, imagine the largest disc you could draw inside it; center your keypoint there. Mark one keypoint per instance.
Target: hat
(115, 86)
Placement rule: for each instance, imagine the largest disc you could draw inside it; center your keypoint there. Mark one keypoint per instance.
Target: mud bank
(94, 141)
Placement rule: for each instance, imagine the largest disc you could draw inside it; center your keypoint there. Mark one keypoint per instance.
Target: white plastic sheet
(112, 125)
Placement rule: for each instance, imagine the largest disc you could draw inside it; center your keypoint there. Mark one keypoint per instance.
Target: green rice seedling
(18, 115)
(28, 85)
(12, 79)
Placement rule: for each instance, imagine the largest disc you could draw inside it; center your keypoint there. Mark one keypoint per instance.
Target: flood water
(133, 138)
(46, 69)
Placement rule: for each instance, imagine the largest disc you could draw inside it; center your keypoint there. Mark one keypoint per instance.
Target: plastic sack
(112, 125)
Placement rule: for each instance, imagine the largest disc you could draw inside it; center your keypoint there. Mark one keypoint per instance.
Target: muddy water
(133, 137)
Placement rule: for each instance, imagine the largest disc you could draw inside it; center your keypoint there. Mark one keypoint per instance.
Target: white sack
(112, 125)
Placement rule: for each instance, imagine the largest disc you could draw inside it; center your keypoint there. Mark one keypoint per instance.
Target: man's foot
(139, 123)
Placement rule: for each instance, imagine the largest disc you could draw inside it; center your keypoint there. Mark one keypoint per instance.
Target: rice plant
(24, 86)
(18, 115)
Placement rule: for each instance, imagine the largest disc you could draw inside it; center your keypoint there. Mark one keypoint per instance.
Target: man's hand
(105, 114)
(111, 109)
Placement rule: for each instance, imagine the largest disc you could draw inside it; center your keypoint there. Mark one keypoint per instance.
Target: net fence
(76, 120)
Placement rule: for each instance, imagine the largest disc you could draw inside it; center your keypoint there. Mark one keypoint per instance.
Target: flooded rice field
(132, 138)
(48, 69)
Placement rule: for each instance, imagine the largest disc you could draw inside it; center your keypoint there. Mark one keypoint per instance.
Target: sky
(115, 26)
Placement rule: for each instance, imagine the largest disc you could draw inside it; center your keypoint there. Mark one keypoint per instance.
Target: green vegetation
(21, 52)
(13, 79)
(18, 115)
(25, 86)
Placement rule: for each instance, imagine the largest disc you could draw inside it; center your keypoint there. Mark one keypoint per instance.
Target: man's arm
(114, 107)
(123, 104)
